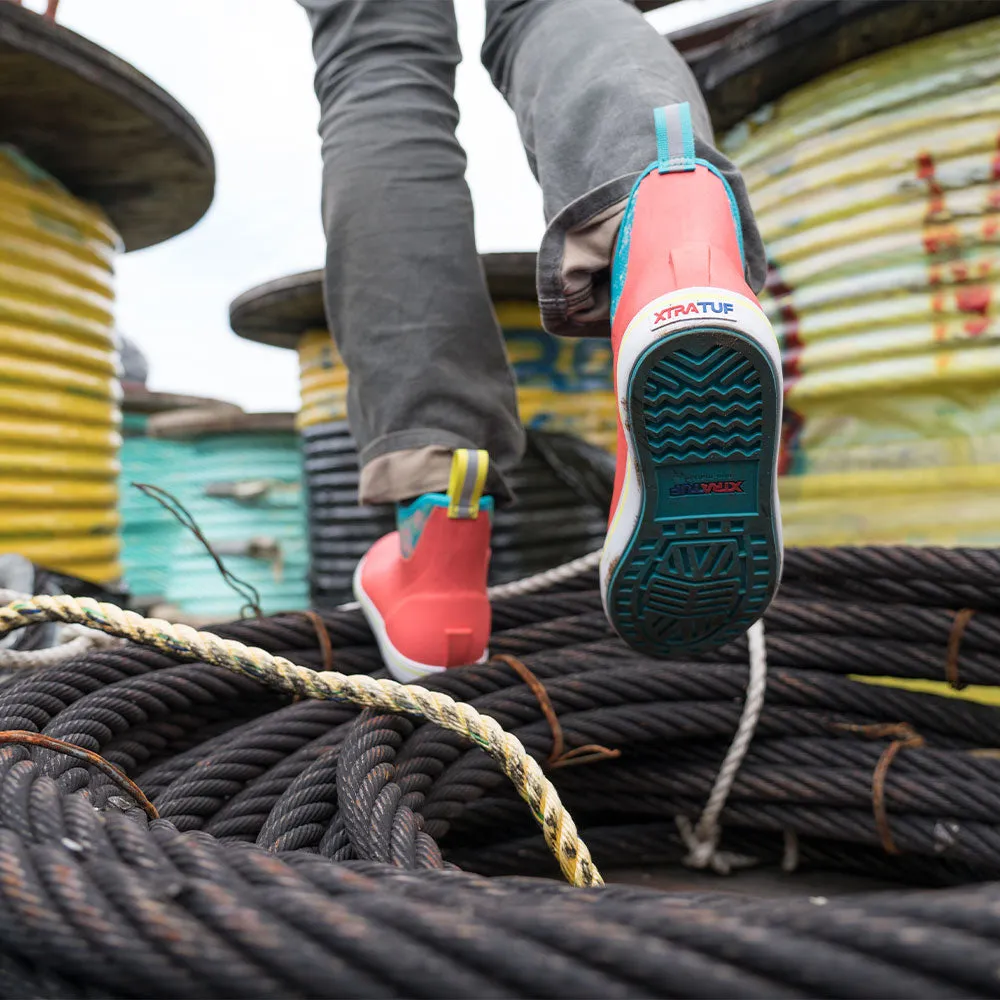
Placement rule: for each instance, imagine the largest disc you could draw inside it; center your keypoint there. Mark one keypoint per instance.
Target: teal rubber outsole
(703, 562)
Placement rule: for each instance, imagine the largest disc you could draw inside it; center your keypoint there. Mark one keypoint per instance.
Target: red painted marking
(791, 362)
(927, 171)
(937, 238)
(791, 358)
(925, 167)
(976, 327)
(791, 430)
(973, 300)
(789, 315)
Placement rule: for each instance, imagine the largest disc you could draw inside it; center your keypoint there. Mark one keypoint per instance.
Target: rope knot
(702, 841)
(703, 850)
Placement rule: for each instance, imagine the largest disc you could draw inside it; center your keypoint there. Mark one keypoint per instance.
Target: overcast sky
(244, 69)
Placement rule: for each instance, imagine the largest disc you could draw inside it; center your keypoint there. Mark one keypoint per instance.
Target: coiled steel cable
(538, 791)
(107, 904)
(365, 811)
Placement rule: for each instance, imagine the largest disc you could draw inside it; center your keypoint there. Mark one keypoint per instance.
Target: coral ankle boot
(423, 587)
(693, 553)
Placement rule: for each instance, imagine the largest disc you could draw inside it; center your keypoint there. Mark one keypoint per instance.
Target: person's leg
(431, 401)
(650, 226)
(405, 292)
(583, 78)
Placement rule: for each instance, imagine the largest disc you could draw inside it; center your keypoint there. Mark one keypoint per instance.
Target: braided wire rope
(283, 675)
(308, 848)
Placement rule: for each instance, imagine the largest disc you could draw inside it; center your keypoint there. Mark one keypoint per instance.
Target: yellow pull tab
(467, 481)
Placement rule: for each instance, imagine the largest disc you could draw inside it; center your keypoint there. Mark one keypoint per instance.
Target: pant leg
(583, 78)
(406, 296)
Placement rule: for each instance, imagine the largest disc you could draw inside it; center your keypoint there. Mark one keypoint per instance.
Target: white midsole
(746, 318)
(402, 668)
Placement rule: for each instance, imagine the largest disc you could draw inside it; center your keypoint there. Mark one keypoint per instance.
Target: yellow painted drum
(563, 384)
(322, 380)
(877, 191)
(59, 393)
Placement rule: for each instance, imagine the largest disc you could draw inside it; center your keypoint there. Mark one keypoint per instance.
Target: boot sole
(703, 557)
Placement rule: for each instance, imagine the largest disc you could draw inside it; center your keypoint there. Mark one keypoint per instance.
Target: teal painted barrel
(149, 532)
(240, 477)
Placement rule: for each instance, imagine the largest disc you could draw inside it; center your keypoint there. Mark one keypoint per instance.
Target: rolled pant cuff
(574, 259)
(407, 464)
(577, 245)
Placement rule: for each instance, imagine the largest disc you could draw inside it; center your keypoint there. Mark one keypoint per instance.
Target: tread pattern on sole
(690, 582)
(706, 407)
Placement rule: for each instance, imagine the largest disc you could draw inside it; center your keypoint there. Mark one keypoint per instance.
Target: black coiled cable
(307, 848)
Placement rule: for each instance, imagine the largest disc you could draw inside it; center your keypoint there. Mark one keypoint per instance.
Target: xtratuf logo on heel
(702, 308)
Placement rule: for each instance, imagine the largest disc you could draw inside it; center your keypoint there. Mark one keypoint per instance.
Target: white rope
(33, 659)
(702, 839)
(547, 578)
(73, 640)
(790, 857)
(529, 584)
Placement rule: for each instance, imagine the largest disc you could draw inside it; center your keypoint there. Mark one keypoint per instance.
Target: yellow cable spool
(563, 384)
(59, 410)
(877, 191)
(322, 380)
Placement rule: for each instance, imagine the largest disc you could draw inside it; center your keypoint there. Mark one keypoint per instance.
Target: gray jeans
(405, 293)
